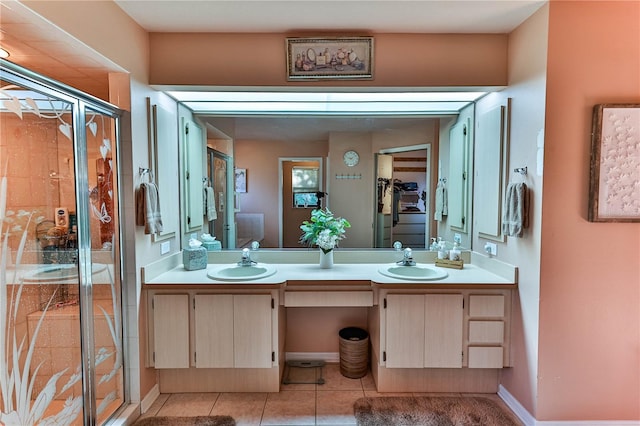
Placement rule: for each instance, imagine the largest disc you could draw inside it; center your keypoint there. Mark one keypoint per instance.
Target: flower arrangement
(323, 230)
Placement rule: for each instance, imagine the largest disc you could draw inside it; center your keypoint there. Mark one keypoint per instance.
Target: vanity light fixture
(4, 53)
(407, 104)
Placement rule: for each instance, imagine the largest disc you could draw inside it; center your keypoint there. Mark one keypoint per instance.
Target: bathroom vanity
(445, 335)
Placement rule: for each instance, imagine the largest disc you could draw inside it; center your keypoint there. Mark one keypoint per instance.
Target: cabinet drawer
(412, 218)
(409, 228)
(294, 299)
(485, 357)
(488, 332)
(486, 305)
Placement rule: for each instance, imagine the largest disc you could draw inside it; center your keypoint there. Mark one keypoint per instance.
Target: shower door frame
(80, 102)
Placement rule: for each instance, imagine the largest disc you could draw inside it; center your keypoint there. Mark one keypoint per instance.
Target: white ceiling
(381, 16)
(35, 44)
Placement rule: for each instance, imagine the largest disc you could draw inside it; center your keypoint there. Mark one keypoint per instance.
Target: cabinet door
(171, 330)
(443, 331)
(252, 330)
(214, 330)
(405, 331)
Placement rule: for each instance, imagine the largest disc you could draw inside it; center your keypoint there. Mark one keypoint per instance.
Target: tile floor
(296, 404)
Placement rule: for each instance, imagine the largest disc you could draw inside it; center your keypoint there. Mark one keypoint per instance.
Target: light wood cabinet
(424, 330)
(213, 330)
(252, 335)
(222, 340)
(487, 340)
(170, 317)
(440, 340)
(232, 331)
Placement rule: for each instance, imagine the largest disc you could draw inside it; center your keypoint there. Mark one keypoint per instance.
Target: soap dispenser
(434, 245)
(442, 250)
(454, 253)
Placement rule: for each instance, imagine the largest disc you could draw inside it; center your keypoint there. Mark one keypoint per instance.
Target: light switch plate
(165, 247)
(491, 248)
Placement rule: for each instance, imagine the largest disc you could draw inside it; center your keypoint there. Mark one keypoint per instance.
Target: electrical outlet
(457, 238)
(165, 247)
(491, 248)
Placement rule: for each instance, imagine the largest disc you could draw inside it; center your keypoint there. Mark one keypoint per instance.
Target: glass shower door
(61, 354)
(104, 249)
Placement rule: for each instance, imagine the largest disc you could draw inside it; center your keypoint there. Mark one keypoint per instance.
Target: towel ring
(145, 171)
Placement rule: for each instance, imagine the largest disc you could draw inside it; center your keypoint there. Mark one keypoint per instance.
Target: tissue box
(212, 245)
(194, 258)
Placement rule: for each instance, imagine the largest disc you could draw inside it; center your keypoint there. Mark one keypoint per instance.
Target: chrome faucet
(246, 258)
(407, 258)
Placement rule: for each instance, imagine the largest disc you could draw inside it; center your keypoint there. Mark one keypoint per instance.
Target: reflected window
(305, 186)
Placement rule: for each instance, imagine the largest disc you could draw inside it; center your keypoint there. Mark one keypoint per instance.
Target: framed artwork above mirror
(314, 58)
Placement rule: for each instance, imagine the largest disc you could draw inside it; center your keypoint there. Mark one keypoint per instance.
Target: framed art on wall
(315, 58)
(241, 180)
(614, 188)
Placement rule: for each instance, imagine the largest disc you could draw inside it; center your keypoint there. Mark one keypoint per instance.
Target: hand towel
(395, 207)
(210, 204)
(442, 208)
(148, 208)
(516, 210)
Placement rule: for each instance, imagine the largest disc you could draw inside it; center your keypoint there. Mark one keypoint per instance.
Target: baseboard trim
(529, 420)
(328, 357)
(149, 399)
(515, 406)
(126, 417)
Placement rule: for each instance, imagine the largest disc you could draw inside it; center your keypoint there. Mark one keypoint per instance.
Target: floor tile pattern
(303, 404)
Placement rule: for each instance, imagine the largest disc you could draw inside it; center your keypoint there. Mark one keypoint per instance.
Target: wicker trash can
(354, 352)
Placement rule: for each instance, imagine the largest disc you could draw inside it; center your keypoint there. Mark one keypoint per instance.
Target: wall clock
(351, 158)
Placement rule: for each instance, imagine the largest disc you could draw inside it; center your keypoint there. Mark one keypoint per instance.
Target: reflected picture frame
(240, 176)
(337, 58)
(614, 181)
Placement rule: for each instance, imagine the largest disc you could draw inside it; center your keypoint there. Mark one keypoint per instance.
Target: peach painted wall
(260, 158)
(104, 27)
(260, 60)
(316, 329)
(352, 199)
(589, 353)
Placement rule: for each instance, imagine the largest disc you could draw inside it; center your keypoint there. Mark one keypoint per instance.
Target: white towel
(210, 204)
(148, 208)
(442, 208)
(516, 210)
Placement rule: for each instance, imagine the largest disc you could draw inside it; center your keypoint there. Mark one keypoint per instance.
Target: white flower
(326, 240)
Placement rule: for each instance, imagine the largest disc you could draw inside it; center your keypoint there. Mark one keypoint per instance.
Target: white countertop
(285, 272)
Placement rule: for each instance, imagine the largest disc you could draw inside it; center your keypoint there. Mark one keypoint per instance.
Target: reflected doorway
(301, 192)
(403, 194)
(218, 165)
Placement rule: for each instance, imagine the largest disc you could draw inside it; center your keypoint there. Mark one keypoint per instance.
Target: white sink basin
(414, 273)
(59, 272)
(241, 273)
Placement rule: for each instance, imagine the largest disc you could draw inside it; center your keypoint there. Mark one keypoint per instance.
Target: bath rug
(431, 411)
(186, 421)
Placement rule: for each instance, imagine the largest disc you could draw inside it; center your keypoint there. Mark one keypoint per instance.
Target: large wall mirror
(350, 146)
